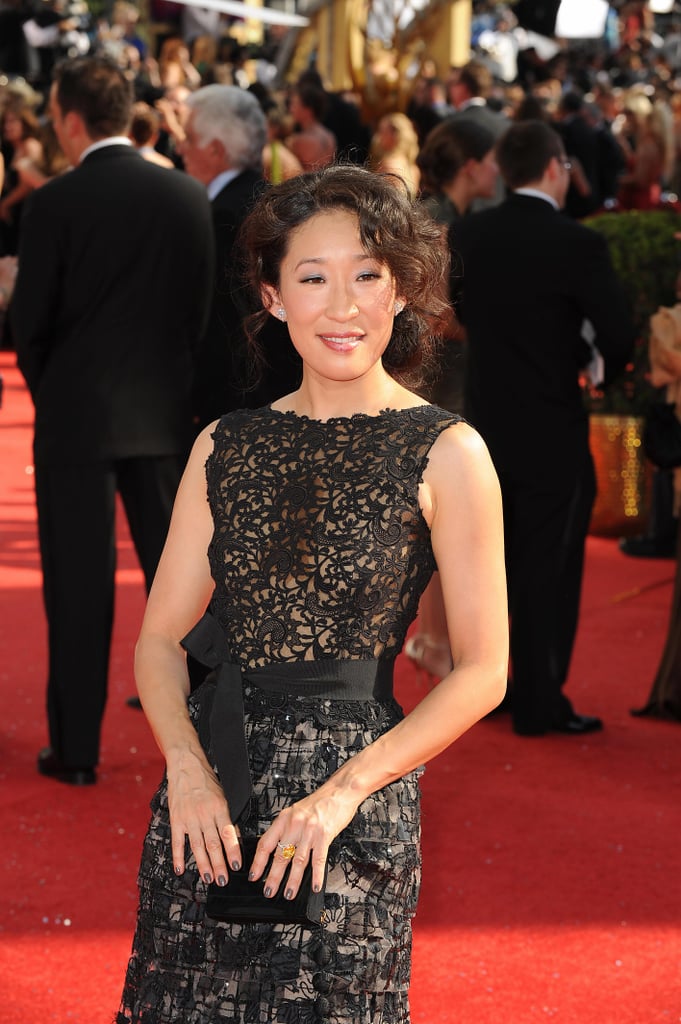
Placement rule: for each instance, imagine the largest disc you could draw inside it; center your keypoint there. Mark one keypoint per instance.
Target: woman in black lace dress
(310, 528)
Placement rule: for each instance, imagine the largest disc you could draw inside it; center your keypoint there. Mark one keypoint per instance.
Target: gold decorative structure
(348, 59)
(624, 477)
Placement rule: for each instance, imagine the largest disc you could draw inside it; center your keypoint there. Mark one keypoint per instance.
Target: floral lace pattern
(319, 550)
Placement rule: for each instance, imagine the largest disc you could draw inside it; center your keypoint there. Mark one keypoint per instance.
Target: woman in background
(145, 131)
(279, 163)
(312, 144)
(20, 130)
(649, 152)
(34, 173)
(394, 149)
(175, 67)
(457, 165)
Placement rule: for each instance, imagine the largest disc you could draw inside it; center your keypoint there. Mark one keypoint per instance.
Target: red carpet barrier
(551, 865)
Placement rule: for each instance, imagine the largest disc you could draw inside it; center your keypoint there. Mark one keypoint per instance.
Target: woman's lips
(341, 342)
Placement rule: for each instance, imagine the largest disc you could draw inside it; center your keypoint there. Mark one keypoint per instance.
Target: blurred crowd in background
(616, 100)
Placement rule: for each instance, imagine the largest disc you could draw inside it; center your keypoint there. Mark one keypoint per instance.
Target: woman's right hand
(199, 811)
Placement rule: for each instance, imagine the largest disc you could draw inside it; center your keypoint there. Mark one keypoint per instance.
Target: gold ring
(288, 850)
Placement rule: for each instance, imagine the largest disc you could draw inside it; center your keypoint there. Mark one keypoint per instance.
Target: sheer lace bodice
(320, 549)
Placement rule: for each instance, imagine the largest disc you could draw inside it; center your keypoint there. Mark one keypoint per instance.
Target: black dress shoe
(577, 725)
(528, 730)
(75, 775)
(648, 547)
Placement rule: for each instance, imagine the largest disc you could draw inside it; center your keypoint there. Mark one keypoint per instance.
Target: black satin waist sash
(334, 680)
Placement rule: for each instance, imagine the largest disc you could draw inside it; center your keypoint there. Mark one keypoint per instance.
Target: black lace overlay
(320, 550)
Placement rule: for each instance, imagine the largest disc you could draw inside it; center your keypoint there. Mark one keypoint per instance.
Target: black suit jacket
(226, 377)
(581, 141)
(115, 269)
(531, 276)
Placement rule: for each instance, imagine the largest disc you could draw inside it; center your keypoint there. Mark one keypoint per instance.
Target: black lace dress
(319, 552)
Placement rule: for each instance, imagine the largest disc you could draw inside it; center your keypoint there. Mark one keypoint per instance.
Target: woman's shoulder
(459, 470)
(458, 451)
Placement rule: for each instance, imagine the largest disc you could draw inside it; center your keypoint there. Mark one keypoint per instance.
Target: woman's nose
(342, 304)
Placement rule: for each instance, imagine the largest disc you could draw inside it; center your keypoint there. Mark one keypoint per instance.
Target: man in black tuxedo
(469, 88)
(531, 279)
(225, 136)
(110, 301)
(581, 143)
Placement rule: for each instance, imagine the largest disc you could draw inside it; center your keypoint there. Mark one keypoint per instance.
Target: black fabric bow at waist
(334, 680)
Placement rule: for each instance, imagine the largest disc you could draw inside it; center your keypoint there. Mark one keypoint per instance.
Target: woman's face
(295, 107)
(485, 174)
(13, 129)
(386, 135)
(339, 302)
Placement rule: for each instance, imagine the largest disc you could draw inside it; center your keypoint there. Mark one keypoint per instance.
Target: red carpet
(551, 885)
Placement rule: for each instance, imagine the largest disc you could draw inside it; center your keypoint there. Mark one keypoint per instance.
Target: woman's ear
(471, 167)
(271, 301)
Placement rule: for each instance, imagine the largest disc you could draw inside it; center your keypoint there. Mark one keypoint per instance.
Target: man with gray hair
(225, 135)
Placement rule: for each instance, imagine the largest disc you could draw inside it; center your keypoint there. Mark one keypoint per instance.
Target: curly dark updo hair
(393, 229)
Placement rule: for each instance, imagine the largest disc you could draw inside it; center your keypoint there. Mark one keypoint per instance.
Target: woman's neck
(458, 193)
(323, 399)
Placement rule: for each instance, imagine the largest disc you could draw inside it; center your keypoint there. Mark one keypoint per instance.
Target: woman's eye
(368, 275)
(312, 279)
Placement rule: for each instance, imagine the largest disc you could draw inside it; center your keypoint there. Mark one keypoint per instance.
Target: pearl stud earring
(399, 306)
(281, 313)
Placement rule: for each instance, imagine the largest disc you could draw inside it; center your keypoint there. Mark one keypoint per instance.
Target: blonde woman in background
(649, 149)
(394, 149)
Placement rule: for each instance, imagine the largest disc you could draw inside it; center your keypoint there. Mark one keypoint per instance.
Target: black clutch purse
(662, 435)
(242, 901)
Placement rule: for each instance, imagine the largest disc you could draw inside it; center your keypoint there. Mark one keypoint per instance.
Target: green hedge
(646, 257)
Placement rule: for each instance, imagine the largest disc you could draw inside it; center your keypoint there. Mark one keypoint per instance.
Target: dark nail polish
(222, 880)
(178, 871)
(208, 877)
(268, 892)
(288, 894)
(316, 888)
(235, 865)
(251, 876)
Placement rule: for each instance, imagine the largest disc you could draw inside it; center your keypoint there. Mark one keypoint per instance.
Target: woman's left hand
(302, 833)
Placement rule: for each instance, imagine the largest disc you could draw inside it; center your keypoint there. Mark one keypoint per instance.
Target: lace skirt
(188, 969)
